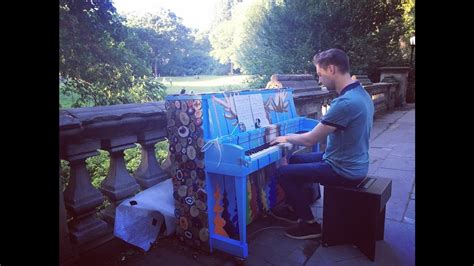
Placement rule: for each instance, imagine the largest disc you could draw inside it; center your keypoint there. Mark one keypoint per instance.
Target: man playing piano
(346, 127)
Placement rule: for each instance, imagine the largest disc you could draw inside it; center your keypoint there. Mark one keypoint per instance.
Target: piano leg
(241, 195)
(237, 248)
(210, 204)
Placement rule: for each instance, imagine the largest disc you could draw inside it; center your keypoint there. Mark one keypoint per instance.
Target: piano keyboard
(266, 149)
(259, 148)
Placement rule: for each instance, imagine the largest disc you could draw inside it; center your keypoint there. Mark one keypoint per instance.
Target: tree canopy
(108, 59)
(267, 37)
(101, 60)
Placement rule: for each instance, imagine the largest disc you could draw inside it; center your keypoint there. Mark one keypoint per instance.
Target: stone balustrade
(83, 131)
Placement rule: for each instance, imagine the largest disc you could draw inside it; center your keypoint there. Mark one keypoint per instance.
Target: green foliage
(98, 166)
(107, 59)
(409, 23)
(369, 31)
(64, 173)
(199, 61)
(275, 39)
(409, 16)
(221, 39)
(161, 149)
(225, 28)
(146, 89)
(167, 37)
(175, 49)
(257, 81)
(267, 37)
(133, 158)
(100, 59)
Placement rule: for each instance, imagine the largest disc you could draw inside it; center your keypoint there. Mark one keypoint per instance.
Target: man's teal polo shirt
(347, 149)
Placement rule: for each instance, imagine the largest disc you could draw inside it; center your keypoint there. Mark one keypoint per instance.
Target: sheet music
(244, 111)
(258, 110)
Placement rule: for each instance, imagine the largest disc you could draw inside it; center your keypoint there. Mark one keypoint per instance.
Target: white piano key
(270, 150)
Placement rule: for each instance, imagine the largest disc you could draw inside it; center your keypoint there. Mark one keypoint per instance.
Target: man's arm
(317, 134)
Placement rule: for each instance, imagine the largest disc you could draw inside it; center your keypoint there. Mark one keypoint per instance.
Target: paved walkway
(392, 153)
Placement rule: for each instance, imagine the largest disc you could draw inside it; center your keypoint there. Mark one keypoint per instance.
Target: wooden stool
(356, 215)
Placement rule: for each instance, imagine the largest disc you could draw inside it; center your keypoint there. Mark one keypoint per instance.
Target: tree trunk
(156, 68)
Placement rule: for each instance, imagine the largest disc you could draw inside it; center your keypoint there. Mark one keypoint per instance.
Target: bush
(98, 166)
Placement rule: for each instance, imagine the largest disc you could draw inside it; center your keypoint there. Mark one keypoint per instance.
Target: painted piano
(223, 167)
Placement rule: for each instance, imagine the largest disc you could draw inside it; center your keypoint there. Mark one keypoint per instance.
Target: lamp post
(412, 44)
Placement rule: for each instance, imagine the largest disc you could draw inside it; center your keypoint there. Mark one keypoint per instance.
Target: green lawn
(204, 83)
(189, 83)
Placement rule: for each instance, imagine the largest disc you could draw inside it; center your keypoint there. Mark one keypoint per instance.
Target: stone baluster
(398, 75)
(80, 197)
(395, 96)
(66, 251)
(150, 172)
(386, 95)
(391, 96)
(119, 184)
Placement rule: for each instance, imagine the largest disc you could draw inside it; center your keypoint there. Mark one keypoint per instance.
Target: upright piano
(223, 166)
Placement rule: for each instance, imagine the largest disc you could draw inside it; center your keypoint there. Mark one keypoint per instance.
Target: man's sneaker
(284, 213)
(304, 230)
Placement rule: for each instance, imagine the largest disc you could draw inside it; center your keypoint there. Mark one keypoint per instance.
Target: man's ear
(332, 69)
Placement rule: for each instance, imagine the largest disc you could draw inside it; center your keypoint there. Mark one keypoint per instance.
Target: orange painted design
(219, 222)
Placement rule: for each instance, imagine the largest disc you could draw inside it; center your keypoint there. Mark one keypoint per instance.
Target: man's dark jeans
(307, 168)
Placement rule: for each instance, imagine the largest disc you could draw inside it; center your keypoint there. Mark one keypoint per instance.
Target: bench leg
(380, 225)
(369, 230)
(336, 218)
(367, 246)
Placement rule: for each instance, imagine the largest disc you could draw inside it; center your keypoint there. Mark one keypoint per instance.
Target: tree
(409, 22)
(281, 36)
(223, 11)
(409, 16)
(101, 60)
(369, 31)
(221, 39)
(222, 35)
(175, 49)
(275, 39)
(168, 38)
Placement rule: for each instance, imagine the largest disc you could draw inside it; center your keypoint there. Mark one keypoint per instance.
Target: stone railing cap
(398, 69)
(77, 117)
(295, 77)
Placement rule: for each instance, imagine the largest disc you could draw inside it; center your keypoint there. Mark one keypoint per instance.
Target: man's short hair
(332, 56)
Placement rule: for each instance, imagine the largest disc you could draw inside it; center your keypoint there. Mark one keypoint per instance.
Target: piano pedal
(265, 213)
(239, 261)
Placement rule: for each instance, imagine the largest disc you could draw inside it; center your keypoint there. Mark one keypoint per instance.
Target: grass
(202, 84)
